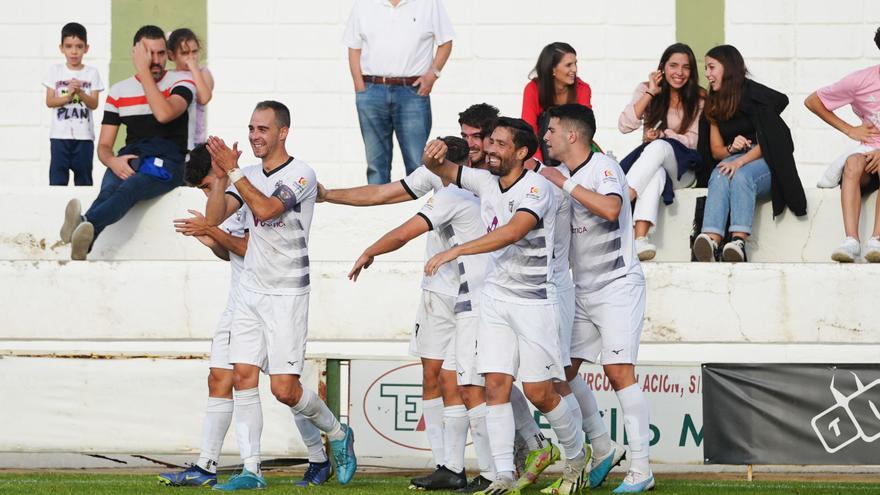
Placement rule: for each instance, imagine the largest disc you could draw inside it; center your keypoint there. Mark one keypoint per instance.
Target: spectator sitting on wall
(667, 107)
(152, 105)
(747, 154)
(856, 170)
(184, 49)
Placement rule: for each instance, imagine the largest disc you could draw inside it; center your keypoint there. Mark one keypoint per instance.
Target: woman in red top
(554, 82)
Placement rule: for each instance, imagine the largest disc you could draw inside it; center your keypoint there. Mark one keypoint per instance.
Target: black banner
(791, 414)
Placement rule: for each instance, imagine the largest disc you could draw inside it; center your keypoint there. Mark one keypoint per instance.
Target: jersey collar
(267, 174)
(505, 189)
(582, 165)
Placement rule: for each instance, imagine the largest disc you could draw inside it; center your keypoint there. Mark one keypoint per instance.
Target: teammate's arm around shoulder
(514, 230)
(369, 195)
(606, 206)
(435, 160)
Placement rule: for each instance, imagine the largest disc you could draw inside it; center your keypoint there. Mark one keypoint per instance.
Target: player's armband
(287, 197)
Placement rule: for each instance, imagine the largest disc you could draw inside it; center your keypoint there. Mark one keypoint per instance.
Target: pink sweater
(629, 122)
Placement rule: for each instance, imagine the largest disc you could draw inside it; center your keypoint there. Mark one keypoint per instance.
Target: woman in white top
(667, 107)
(184, 49)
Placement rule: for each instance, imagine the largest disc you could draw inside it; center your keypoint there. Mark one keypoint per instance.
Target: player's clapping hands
(194, 226)
(222, 156)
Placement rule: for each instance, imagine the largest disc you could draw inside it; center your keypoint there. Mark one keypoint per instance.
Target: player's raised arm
(369, 195)
(435, 160)
(519, 225)
(392, 241)
(263, 207)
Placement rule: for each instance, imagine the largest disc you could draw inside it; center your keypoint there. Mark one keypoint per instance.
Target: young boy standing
(72, 90)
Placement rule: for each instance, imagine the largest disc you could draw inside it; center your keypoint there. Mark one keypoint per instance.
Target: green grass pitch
(123, 484)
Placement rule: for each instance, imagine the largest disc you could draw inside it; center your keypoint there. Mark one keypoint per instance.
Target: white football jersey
(602, 251)
(236, 225)
(419, 183)
(277, 258)
(523, 271)
(453, 214)
(562, 235)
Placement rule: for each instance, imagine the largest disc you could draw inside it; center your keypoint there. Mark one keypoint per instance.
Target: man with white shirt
(270, 325)
(609, 286)
(394, 67)
(518, 334)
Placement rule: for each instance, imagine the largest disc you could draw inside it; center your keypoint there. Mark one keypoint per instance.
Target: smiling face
(677, 70)
(714, 73)
(73, 49)
(264, 134)
(501, 153)
(565, 72)
(474, 138)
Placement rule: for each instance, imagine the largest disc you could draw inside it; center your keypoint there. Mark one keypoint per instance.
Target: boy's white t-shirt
(74, 120)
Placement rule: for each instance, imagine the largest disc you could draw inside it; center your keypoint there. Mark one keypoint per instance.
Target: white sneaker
(872, 250)
(831, 177)
(72, 218)
(848, 251)
(705, 249)
(645, 249)
(81, 241)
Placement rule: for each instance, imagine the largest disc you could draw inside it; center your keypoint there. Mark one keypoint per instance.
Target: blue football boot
(316, 474)
(343, 456)
(191, 476)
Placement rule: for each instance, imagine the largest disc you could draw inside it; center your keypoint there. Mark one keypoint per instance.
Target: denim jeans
(68, 155)
(735, 196)
(117, 196)
(383, 110)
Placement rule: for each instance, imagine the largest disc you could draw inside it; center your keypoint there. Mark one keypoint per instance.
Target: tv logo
(838, 426)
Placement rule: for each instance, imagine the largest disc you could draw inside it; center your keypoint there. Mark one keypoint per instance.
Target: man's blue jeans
(386, 109)
(736, 196)
(117, 196)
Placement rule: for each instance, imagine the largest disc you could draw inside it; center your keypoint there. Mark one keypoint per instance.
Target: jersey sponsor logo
(275, 223)
(607, 173)
(534, 193)
(575, 229)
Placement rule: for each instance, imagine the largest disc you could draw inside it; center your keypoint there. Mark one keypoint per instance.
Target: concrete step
(687, 302)
(340, 233)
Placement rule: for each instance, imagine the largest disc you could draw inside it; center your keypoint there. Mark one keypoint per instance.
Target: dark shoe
(477, 484)
(441, 479)
(735, 251)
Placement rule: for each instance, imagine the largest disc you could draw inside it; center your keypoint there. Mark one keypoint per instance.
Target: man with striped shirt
(154, 106)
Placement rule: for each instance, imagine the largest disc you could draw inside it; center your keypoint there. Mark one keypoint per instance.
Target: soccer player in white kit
(609, 284)
(518, 333)
(270, 324)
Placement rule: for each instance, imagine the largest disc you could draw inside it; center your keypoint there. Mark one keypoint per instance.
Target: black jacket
(763, 106)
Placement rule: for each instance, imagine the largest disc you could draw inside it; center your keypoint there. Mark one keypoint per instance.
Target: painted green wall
(700, 24)
(127, 16)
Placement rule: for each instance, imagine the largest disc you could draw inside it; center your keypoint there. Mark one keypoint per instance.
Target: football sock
(480, 436)
(248, 426)
(637, 423)
(218, 416)
(311, 436)
(593, 425)
(455, 429)
(499, 424)
(432, 410)
(311, 407)
(526, 427)
(568, 431)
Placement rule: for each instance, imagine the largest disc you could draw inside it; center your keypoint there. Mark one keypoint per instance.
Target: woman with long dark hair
(747, 154)
(184, 49)
(553, 82)
(667, 107)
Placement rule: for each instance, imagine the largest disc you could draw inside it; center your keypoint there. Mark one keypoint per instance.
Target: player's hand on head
(363, 262)
(435, 152)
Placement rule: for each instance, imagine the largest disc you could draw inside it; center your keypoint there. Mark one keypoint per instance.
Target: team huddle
(530, 271)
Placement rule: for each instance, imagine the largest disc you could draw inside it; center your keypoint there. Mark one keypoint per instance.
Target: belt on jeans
(393, 81)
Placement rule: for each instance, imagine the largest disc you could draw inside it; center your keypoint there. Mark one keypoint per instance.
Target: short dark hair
(457, 149)
(523, 133)
(577, 117)
(180, 36)
(877, 37)
(74, 29)
(149, 32)
(482, 116)
(198, 166)
(282, 113)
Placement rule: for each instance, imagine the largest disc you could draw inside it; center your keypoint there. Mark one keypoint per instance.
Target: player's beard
(504, 166)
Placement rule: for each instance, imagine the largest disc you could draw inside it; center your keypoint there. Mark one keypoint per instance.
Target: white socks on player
(480, 436)
(311, 407)
(455, 428)
(311, 436)
(218, 416)
(248, 426)
(526, 427)
(637, 423)
(568, 431)
(500, 426)
(593, 425)
(573, 407)
(432, 409)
